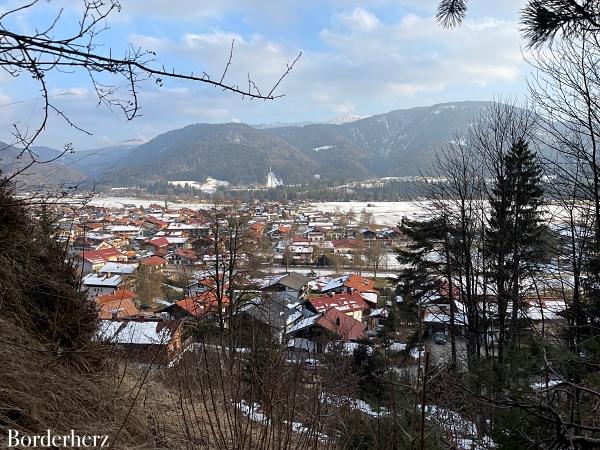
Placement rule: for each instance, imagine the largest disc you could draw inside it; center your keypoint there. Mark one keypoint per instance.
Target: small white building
(97, 284)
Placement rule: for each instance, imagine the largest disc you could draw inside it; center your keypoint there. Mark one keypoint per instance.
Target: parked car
(440, 338)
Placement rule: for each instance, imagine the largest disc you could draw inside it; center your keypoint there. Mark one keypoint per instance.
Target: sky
(358, 58)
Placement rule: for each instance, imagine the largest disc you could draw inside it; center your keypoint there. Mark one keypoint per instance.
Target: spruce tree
(514, 230)
(428, 260)
(419, 256)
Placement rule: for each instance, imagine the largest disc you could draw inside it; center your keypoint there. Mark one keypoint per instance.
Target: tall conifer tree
(514, 231)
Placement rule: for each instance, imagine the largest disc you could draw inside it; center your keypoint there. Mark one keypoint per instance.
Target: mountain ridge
(401, 142)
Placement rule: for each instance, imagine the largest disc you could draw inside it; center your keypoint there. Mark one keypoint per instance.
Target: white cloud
(415, 55)
(484, 74)
(146, 42)
(360, 19)
(483, 24)
(195, 40)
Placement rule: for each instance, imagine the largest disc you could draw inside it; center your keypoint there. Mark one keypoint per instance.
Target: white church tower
(272, 180)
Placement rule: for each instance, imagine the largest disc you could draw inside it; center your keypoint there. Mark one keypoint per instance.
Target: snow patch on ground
(464, 431)
(355, 404)
(254, 413)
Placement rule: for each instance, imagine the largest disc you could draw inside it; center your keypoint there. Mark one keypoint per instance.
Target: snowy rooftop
(134, 332)
(113, 267)
(94, 279)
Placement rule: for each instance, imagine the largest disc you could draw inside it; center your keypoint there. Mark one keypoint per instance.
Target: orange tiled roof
(159, 242)
(201, 303)
(153, 220)
(118, 305)
(102, 255)
(361, 284)
(154, 261)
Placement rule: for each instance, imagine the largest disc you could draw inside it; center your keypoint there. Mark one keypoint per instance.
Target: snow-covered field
(118, 202)
(384, 213)
(390, 213)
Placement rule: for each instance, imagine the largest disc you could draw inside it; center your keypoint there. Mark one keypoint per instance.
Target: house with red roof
(155, 223)
(196, 306)
(330, 325)
(351, 304)
(342, 325)
(93, 260)
(158, 243)
(184, 256)
(353, 283)
(350, 283)
(154, 262)
(348, 246)
(279, 231)
(257, 228)
(117, 305)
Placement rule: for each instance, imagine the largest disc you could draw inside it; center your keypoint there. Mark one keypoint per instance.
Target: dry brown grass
(39, 390)
(52, 374)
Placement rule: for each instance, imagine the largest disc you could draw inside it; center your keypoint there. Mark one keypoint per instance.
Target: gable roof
(119, 304)
(114, 267)
(100, 256)
(124, 229)
(155, 221)
(153, 261)
(257, 227)
(294, 281)
(198, 305)
(342, 302)
(352, 281)
(158, 242)
(186, 254)
(304, 323)
(342, 325)
(274, 312)
(121, 294)
(361, 284)
(348, 243)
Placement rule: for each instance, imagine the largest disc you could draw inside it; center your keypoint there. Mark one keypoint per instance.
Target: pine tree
(514, 230)
(419, 257)
(428, 260)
